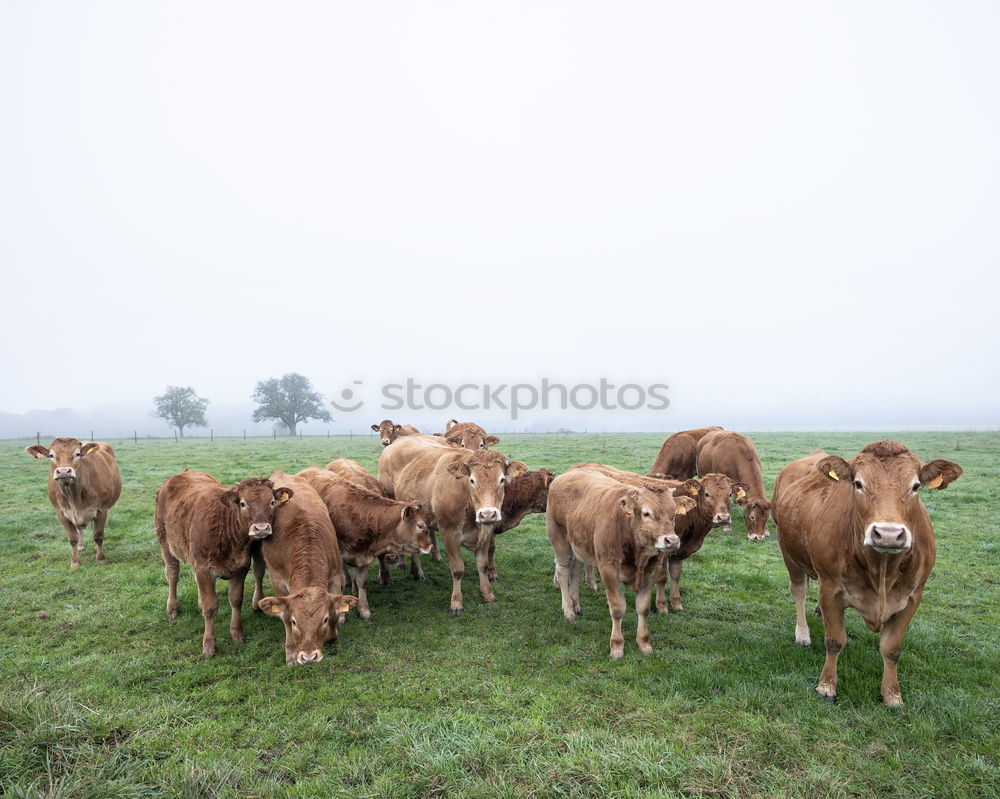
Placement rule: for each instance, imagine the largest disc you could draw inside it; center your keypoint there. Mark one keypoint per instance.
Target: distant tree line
(289, 400)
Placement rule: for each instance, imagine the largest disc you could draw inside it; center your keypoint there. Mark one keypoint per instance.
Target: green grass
(101, 696)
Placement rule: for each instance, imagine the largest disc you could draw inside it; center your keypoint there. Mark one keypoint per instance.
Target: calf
(369, 525)
(84, 483)
(303, 560)
(388, 431)
(200, 521)
(625, 531)
(732, 454)
(711, 494)
(527, 494)
(860, 529)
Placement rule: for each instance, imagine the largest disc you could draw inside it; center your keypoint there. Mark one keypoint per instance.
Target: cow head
(310, 617)
(756, 511)
(470, 436)
(65, 456)
(414, 529)
(255, 500)
(713, 493)
(649, 514)
(387, 431)
(530, 492)
(486, 473)
(885, 480)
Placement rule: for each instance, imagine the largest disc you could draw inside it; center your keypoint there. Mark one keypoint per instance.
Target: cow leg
(591, 579)
(384, 575)
(75, 536)
(236, 585)
(416, 569)
(642, 603)
(208, 603)
(454, 549)
(361, 590)
(616, 606)
(834, 640)
(675, 567)
(483, 562)
(435, 552)
(661, 595)
(798, 585)
(564, 563)
(258, 580)
(890, 644)
(491, 569)
(576, 566)
(99, 522)
(171, 570)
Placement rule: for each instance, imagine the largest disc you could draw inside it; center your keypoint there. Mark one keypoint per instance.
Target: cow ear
(230, 497)
(629, 503)
(375, 427)
(515, 469)
(835, 468)
(410, 510)
(491, 441)
(684, 504)
(37, 451)
(450, 424)
(273, 605)
(396, 428)
(739, 492)
(284, 494)
(458, 469)
(86, 449)
(939, 474)
(340, 603)
(691, 487)
(547, 476)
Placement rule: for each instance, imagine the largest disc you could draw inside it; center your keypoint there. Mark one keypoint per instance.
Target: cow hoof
(892, 702)
(492, 577)
(491, 600)
(455, 611)
(366, 615)
(437, 557)
(617, 654)
(678, 608)
(237, 637)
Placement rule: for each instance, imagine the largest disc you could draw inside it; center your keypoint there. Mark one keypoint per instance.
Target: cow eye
(243, 503)
(472, 480)
(858, 485)
(326, 620)
(502, 479)
(294, 623)
(646, 513)
(916, 487)
(463, 445)
(272, 503)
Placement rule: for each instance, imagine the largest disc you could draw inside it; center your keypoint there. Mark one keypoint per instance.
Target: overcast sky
(780, 210)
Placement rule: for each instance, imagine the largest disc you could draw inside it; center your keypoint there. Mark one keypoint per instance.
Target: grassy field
(101, 696)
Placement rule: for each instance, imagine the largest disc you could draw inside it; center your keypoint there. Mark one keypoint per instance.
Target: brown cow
(677, 457)
(83, 484)
(711, 494)
(860, 529)
(356, 473)
(624, 530)
(388, 431)
(527, 494)
(368, 525)
(465, 491)
(468, 435)
(200, 521)
(307, 574)
(732, 454)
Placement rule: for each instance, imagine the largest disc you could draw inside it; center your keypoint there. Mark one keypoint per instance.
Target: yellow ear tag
(682, 510)
(284, 497)
(693, 491)
(833, 475)
(740, 493)
(628, 512)
(935, 482)
(89, 450)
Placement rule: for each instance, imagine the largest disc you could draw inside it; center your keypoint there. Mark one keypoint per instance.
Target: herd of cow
(858, 527)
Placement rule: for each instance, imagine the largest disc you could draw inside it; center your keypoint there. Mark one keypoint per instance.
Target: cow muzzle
(64, 474)
(668, 543)
(888, 537)
(258, 531)
(312, 656)
(487, 515)
(720, 519)
(386, 442)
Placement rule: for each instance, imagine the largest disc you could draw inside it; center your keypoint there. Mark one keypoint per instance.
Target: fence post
(175, 435)
(91, 435)
(211, 434)
(135, 436)
(38, 438)
(274, 434)
(244, 434)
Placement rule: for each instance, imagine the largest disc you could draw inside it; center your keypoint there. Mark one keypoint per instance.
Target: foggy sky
(783, 211)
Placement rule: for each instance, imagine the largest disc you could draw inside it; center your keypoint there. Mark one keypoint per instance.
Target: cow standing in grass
(388, 431)
(200, 521)
(733, 454)
(303, 560)
(84, 483)
(860, 529)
